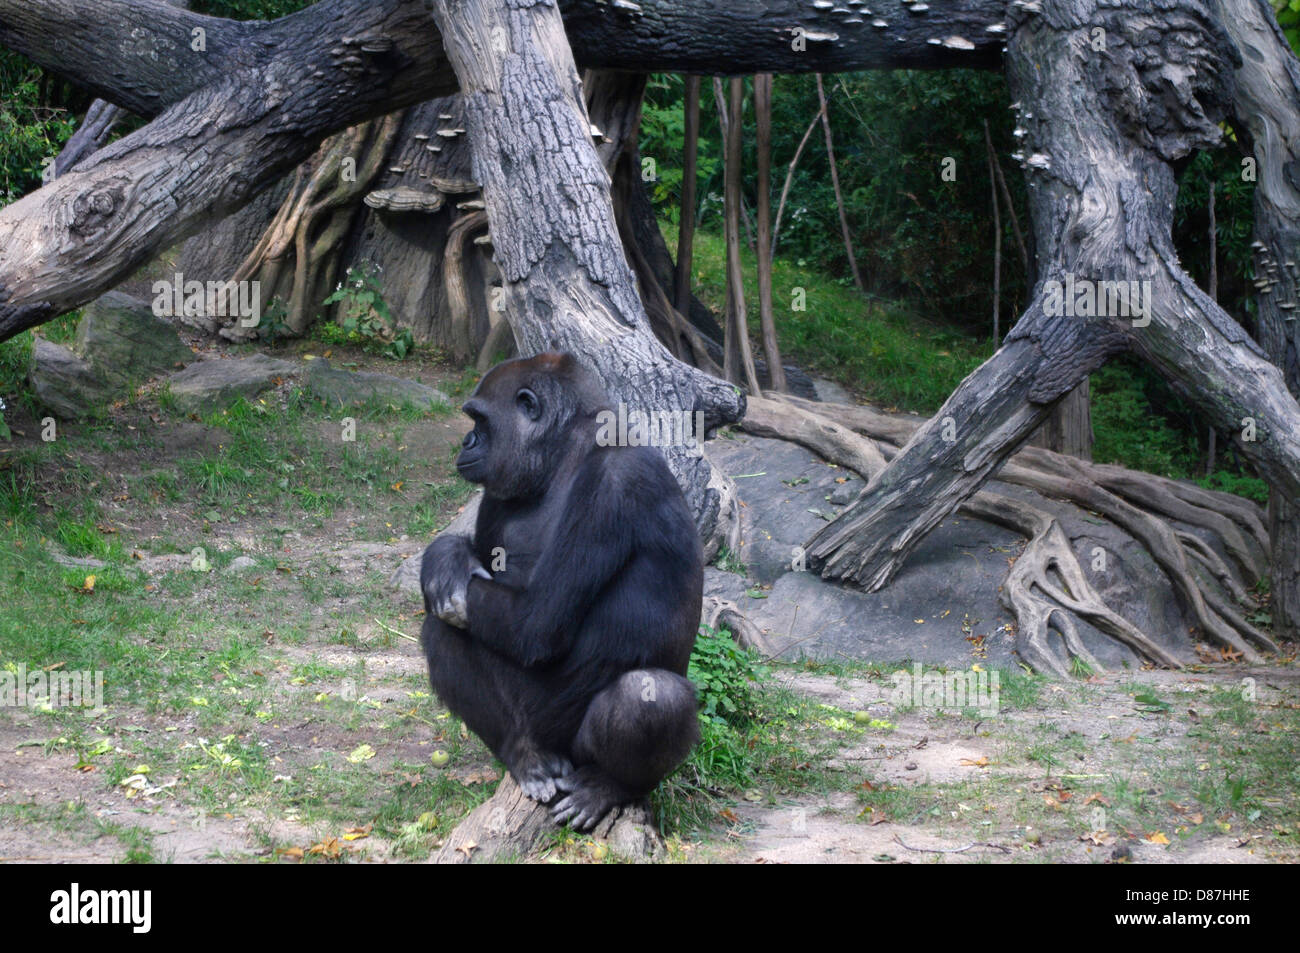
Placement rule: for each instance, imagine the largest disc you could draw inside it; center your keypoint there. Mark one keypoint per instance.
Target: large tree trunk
(1068, 428)
(1267, 104)
(1102, 196)
(567, 283)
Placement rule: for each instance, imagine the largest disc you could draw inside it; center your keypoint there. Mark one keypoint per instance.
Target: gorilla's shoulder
(637, 464)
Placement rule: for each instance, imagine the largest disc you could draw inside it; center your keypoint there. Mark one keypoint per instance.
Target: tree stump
(510, 826)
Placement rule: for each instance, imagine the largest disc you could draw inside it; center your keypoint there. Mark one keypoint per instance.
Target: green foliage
(914, 234)
(880, 350)
(31, 130)
(1228, 481)
(249, 9)
(1234, 222)
(727, 678)
(15, 357)
(1140, 422)
(1288, 17)
(364, 317)
(663, 139)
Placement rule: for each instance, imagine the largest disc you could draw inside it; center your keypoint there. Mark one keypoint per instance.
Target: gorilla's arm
(597, 535)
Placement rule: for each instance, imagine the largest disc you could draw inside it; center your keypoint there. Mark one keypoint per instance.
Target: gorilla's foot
(539, 773)
(590, 794)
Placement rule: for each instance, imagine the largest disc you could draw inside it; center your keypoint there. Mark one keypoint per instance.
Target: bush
(727, 678)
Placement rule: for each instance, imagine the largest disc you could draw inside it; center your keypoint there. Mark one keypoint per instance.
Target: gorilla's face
(523, 412)
(500, 453)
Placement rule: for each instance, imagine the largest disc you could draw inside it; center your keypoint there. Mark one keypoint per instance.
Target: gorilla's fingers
(564, 810)
(482, 573)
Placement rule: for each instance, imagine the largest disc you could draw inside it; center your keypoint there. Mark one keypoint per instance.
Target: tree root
(294, 259)
(722, 613)
(1046, 588)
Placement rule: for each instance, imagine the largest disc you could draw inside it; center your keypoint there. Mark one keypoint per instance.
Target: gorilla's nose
(471, 440)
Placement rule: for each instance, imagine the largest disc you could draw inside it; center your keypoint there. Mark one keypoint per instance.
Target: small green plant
(728, 561)
(364, 316)
(727, 677)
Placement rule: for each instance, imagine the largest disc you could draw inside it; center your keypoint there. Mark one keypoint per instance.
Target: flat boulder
(215, 384)
(353, 388)
(66, 384)
(123, 340)
(119, 343)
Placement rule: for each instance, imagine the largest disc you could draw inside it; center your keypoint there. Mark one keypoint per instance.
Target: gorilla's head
(528, 414)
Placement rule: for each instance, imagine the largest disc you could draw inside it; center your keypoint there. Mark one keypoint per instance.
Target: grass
(888, 355)
(879, 350)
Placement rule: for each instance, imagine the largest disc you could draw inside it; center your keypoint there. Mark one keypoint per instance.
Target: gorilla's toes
(591, 794)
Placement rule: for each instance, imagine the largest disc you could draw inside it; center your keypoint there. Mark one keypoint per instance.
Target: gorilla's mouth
(472, 451)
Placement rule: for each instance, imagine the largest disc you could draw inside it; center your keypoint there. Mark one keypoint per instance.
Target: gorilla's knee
(640, 727)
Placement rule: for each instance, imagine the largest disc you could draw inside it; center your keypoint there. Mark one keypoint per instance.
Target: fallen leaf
(361, 753)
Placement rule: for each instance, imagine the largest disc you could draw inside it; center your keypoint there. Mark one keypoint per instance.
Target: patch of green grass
(878, 349)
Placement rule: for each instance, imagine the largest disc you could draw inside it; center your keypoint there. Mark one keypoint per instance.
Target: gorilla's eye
(527, 402)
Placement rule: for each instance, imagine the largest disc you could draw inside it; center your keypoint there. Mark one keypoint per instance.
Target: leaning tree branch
(203, 158)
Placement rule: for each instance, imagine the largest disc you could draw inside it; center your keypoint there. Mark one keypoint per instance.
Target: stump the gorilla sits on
(569, 658)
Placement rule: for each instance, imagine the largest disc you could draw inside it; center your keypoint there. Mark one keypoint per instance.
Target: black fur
(570, 660)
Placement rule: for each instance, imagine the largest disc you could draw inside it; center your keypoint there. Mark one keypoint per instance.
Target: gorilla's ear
(527, 401)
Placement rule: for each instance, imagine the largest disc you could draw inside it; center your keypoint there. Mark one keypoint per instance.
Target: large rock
(946, 591)
(64, 383)
(125, 343)
(119, 343)
(352, 388)
(215, 384)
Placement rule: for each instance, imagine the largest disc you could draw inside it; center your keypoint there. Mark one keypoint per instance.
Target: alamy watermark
(20, 688)
(216, 299)
(653, 428)
(976, 689)
(1084, 298)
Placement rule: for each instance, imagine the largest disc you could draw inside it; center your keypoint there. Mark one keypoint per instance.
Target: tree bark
(1267, 103)
(997, 238)
(738, 358)
(1102, 194)
(686, 220)
(763, 114)
(567, 283)
(1068, 428)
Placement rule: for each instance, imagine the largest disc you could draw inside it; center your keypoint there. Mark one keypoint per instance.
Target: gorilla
(568, 658)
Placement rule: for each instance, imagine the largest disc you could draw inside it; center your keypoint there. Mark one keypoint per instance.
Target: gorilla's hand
(448, 565)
